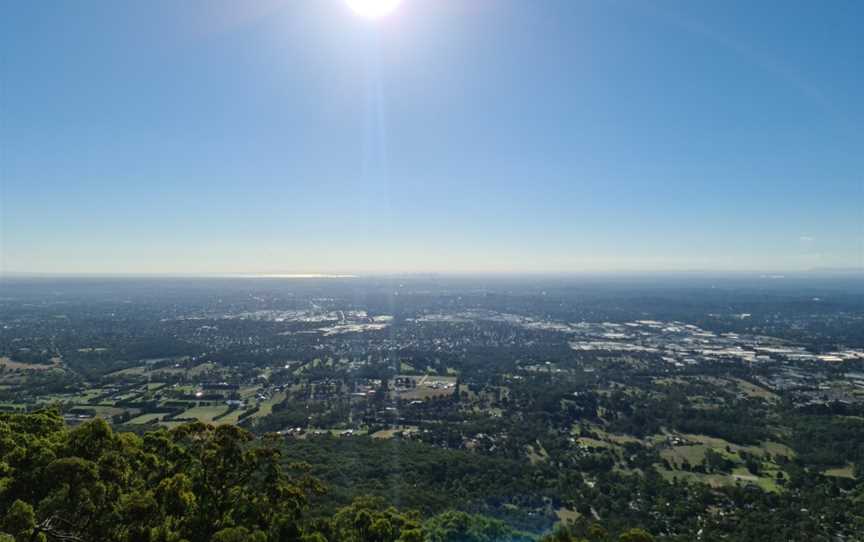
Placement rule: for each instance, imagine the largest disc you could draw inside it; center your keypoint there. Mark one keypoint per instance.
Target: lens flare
(373, 9)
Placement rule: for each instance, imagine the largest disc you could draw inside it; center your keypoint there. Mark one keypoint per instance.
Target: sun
(373, 9)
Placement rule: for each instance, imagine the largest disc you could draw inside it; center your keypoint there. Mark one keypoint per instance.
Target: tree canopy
(193, 483)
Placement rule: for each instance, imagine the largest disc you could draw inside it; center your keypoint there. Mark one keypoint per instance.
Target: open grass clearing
(390, 433)
(841, 472)
(266, 406)
(566, 515)
(106, 411)
(231, 418)
(146, 418)
(720, 445)
(678, 455)
(248, 392)
(752, 390)
(89, 394)
(537, 454)
(425, 392)
(138, 370)
(205, 414)
(722, 480)
(588, 442)
(203, 368)
(385, 433)
(11, 365)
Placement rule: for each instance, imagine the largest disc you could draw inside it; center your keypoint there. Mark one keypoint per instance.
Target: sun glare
(373, 9)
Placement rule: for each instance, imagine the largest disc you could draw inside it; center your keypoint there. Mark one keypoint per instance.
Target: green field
(204, 413)
(266, 407)
(248, 391)
(86, 395)
(132, 371)
(386, 433)
(146, 418)
(842, 472)
(232, 418)
(679, 454)
(738, 477)
(203, 368)
(587, 442)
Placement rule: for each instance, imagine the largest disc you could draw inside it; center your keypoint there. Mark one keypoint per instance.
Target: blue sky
(486, 135)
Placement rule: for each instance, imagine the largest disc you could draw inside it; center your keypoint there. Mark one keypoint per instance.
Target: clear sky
(454, 135)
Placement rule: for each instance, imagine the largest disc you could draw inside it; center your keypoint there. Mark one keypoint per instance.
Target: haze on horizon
(270, 136)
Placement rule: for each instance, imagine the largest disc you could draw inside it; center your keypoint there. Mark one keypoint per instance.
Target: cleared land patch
(11, 365)
(204, 414)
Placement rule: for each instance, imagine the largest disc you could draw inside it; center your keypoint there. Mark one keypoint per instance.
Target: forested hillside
(195, 483)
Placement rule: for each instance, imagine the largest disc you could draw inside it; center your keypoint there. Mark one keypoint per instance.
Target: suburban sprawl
(692, 410)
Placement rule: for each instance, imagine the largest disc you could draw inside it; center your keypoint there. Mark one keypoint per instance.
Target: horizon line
(765, 274)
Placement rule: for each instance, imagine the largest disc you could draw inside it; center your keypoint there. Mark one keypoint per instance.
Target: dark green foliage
(828, 441)
(635, 535)
(195, 483)
(462, 527)
(414, 475)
